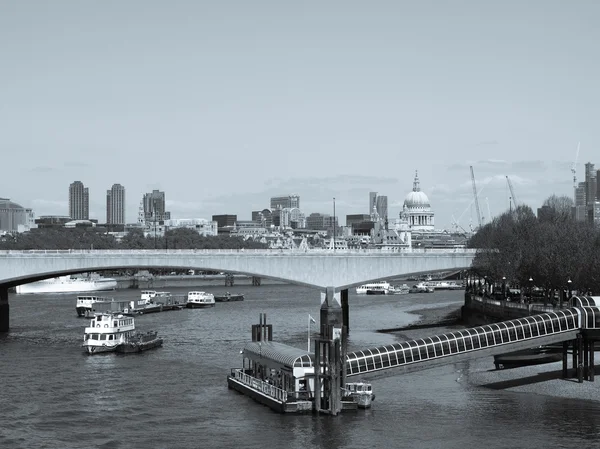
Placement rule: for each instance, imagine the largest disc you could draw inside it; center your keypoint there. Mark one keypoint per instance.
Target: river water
(55, 396)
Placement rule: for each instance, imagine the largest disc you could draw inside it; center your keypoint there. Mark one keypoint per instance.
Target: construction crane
(574, 167)
(475, 197)
(488, 209)
(512, 192)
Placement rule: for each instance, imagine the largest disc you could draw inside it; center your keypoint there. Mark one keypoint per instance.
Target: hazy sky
(223, 104)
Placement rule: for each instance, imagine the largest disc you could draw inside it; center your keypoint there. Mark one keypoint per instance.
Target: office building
(225, 220)
(115, 205)
(283, 202)
(154, 206)
(14, 217)
(79, 201)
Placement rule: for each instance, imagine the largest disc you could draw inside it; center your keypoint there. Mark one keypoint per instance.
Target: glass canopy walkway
(482, 341)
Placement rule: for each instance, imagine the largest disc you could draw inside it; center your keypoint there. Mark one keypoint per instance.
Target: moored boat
(69, 284)
(141, 342)
(421, 287)
(526, 357)
(229, 297)
(373, 286)
(359, 392)
(399, 290)
(200, 300)
(109, 332)
(85, 304)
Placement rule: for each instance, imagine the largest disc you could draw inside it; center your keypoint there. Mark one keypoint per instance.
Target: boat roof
(280, 353)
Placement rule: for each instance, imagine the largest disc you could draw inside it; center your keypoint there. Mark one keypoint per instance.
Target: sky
(223, 104)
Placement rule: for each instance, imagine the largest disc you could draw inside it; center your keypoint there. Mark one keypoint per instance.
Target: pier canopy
(278, 355)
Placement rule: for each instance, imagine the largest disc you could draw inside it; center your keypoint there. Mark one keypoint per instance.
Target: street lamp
(530, 289)
(504, 287)
(569, 282)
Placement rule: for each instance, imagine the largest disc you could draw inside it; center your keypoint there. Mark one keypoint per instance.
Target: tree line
(549, 249)
(87, 238)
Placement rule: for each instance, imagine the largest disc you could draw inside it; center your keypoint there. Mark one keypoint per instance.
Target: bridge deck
(476, 342)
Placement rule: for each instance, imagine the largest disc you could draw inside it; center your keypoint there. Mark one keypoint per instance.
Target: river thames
(55, 396)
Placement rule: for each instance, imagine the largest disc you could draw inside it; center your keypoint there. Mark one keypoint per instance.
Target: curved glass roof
(280, 353)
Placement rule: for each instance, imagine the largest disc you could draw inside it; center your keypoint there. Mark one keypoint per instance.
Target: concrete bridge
(340, 269)
(332, 271)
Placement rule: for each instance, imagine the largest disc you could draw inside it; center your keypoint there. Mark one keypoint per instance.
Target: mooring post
(331, 340)
(586, 360)
(565, 359)
(4, 309)
(574, 357)
(580, 358)
(592, 368)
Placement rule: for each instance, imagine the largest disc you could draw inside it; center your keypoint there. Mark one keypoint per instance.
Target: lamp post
(569, 288)
(530, 289)
(504, 287)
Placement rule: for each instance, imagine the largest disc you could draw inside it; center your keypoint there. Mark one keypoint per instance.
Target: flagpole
(309, 332)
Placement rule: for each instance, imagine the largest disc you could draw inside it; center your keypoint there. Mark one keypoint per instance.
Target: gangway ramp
(466, 344)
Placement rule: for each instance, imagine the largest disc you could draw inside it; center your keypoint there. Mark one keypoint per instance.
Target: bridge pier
(330, 355)
(4, 310)
(256, 281)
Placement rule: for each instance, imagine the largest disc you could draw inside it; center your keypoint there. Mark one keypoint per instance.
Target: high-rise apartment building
(381, 204)
(115, 205)
(79, 201)
(154, 206)
(372, 202)
(282, 202)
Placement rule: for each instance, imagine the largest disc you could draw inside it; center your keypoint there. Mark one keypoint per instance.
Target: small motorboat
(229, 297)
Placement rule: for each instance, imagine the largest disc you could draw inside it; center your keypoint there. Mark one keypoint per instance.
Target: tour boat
(360, 392)
(69, 284)
(109, 332)
(85, 304)
(106, 332)
(198, 300)
(373, 286)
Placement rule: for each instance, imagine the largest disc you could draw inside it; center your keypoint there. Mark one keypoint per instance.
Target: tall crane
(512, 192)
(475, 197)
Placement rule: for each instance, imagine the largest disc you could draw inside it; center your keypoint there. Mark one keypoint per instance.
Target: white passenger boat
(69, 284)
(198, 300)
(106, 332)
(360, 392)
(380, 286)
(110, 332)
(85, 304)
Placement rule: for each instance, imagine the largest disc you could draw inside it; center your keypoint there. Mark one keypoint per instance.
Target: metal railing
(260, 385)
(514, 305)
(295, 251)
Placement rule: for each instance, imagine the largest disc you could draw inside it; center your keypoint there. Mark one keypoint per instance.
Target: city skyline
(230, 105)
